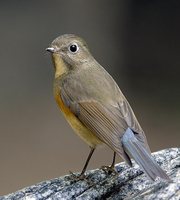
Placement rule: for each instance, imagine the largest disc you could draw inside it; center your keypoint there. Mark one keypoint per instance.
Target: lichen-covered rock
(129, 183)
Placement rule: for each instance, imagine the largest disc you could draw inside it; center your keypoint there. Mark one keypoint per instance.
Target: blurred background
(138, 42)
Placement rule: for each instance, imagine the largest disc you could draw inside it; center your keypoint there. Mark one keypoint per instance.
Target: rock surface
(129, 183)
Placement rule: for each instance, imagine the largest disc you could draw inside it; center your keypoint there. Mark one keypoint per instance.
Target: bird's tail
(133, 147)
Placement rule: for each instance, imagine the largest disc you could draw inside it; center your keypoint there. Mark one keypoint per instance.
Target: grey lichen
(130, 183)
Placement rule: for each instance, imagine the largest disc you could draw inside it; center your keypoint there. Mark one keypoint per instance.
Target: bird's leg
(82, 174)
(110, 169)
(113, 161)
(87, 161)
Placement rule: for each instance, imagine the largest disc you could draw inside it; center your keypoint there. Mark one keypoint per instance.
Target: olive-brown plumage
(94, 105)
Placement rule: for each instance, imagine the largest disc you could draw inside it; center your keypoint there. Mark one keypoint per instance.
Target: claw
(109, 170)
(81, 177)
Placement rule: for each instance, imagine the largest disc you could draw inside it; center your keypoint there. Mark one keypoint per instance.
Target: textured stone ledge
(130, 183)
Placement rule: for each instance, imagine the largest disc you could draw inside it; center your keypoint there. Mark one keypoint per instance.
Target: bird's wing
(101, 107)
(132, 122)
(105, 121)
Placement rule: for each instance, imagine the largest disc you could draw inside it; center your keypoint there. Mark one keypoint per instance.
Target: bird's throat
(59, 64)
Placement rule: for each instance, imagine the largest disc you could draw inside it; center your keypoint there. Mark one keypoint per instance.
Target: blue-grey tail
(136, 150)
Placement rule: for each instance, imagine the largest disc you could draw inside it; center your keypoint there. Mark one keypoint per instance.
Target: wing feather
(102, 121)
(106, 113)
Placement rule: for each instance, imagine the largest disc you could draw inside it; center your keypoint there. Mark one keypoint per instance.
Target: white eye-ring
(73, 48)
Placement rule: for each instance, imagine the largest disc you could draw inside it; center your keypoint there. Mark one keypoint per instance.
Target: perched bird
(95, 107)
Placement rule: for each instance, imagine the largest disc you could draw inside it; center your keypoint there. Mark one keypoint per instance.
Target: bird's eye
(73, 48)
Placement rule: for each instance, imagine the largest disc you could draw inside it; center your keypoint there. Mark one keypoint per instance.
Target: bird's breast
(75, 123)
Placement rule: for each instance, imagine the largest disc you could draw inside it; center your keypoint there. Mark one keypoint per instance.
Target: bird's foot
(110, 170)
(81, 177)
(75, 177)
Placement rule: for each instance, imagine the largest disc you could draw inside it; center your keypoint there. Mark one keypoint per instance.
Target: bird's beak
(51, 49)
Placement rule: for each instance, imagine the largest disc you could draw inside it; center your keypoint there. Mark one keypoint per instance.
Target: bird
(96, 108)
